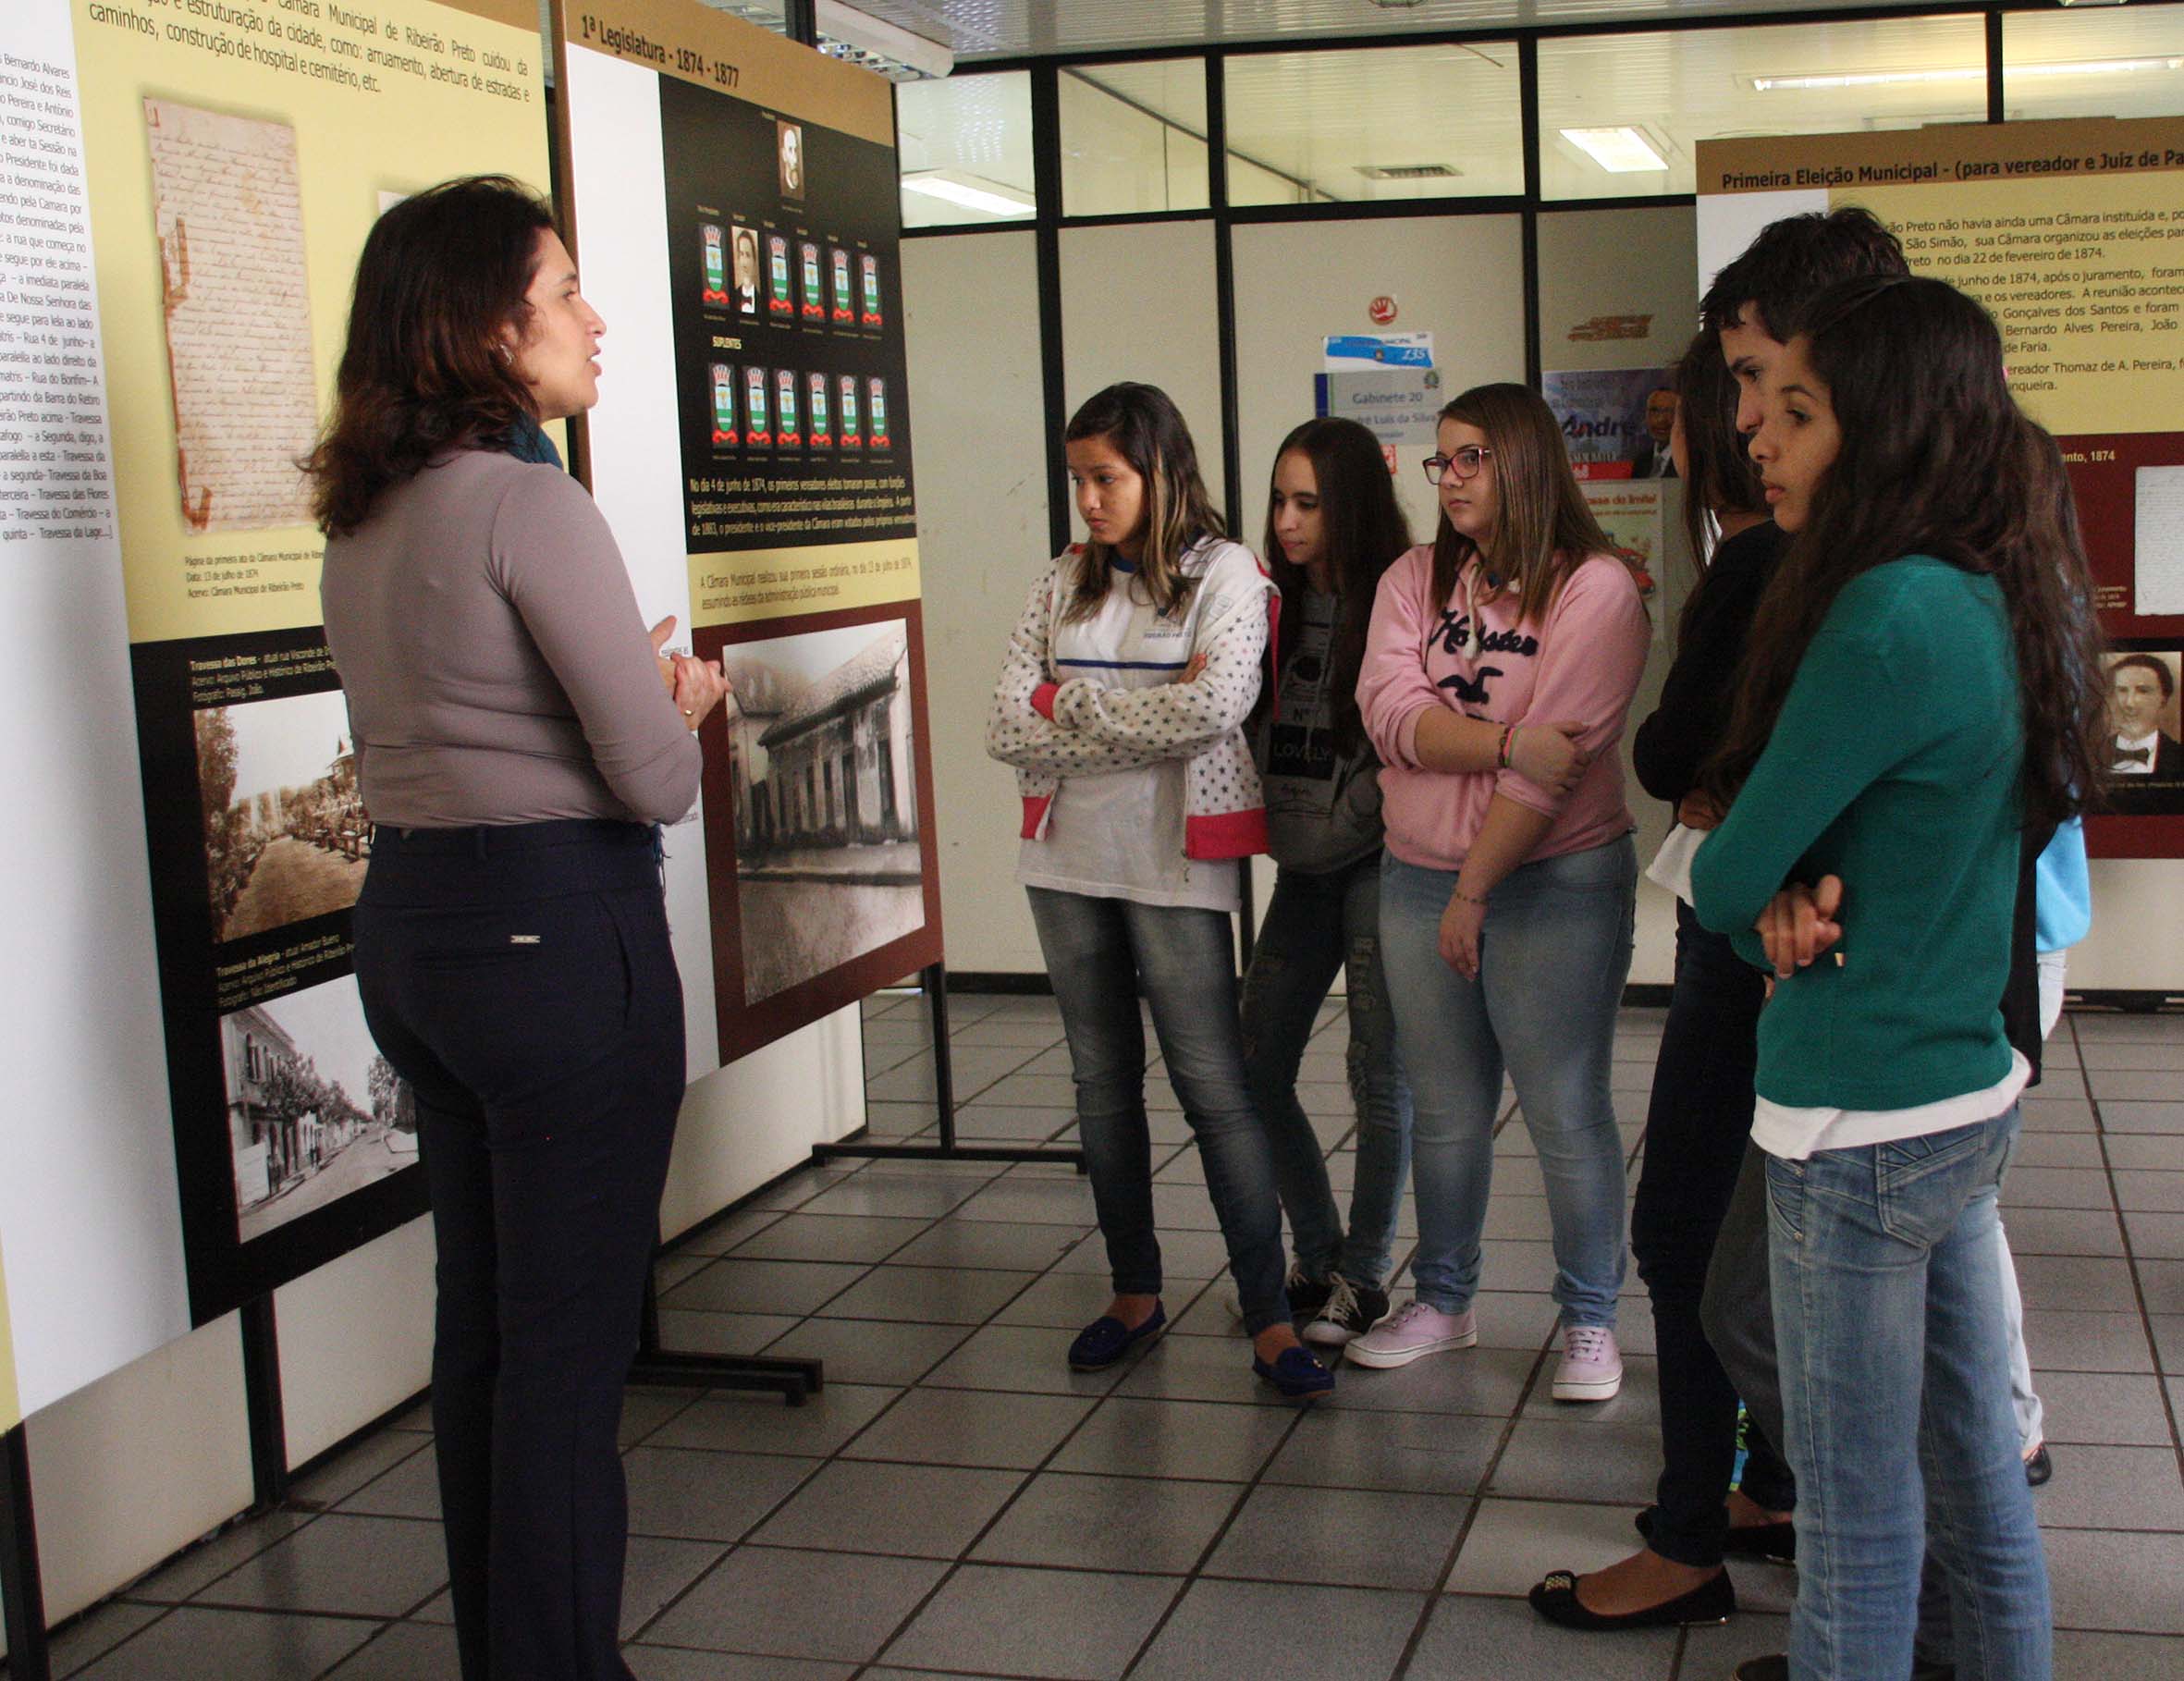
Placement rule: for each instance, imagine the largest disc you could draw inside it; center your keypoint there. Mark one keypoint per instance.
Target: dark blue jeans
(520, 981)
(1696, 1127)
(1318, 927)
(1099, 953)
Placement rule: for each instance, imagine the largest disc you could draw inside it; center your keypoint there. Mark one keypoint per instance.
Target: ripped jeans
(1315, 928)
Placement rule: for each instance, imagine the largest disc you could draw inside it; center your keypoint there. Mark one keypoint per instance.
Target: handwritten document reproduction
(2159, 584)
(230, 223)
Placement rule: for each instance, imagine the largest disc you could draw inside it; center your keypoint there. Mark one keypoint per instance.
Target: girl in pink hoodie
(1498, 672)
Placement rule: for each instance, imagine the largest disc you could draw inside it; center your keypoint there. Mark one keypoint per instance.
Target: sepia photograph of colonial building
(827, 860)
(314, 1110)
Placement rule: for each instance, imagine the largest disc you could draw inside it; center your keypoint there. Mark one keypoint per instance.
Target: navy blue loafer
(1107, 1339)
(1295, 1373)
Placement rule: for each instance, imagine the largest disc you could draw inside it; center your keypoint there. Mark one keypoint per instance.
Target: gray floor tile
(693, 1494)
(1050, 1091)
(798, 1189)
(2164, 1284)
(1053, 1202)
(2058, 1114)
(1110, 1523)
(365, 1567)
(2143, 1117)
(1027, 1357)
(2055, 1150)
(656, 1568)
(403, 1651)
(1715, 1652)
(2136, 1085)
(2054, 1187)
(897, 1194)
(2116, 1657)
(1073, 1624)
(2149, 1028)
(2145, 1150)
(343, 1476)
(2087, 1341)
(198, 1641)
(1009, 1123)
(2081, 1284)
(971, 1427)
(410, 1490)
(2114, 1488)
(2159, 1236)
(1010, 1030)
(2102, 1406)
(2168, 1338)
(672, 1269)
(1468, 1636)
(96, 1633)
(1355, 1635)
(869, 1351)
(1060, 1301)
(1184, 1208)
(2062, 1232)
(1412, 1453)
(1342, 1537)
(1518, 1217)
(1488, 1382)
(2102, 1578)
(762, 1424)
(439, 1609)
(762, 1286)
(1199, 1368)
(1566, 1459)
(1010, 1246)
(894, 1122)
(829, 1237)
(1184, 1439)
(769, 1602)
(666, 1663)
(2151, 1193)
(935, 1296)
(645, 1410)
(923, 1510)
(2098, 1054)
(1512, 1543)
(690, 1331)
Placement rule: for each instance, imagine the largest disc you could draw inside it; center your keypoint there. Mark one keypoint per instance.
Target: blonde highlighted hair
(1145, 428)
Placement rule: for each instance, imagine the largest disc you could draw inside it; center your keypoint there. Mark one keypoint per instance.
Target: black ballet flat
(1774, 1543)
(1556, 1600)
(2040, 1467)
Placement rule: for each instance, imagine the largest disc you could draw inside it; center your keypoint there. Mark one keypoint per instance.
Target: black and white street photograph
(314, 1110)
(286, 838)
(827, 859)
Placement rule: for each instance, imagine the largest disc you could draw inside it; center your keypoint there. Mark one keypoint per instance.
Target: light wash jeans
(1553, 960)
(1099, 953)
(1317, 925)
(1889, 1326)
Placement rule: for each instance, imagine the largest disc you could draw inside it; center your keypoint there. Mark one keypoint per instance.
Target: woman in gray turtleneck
(519, 743)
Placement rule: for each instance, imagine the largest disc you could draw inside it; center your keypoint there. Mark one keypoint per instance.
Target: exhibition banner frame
(2072, 235)
(732, 198)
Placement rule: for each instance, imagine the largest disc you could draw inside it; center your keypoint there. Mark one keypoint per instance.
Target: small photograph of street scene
(314, 1110)
(828, 865)
(285, 837)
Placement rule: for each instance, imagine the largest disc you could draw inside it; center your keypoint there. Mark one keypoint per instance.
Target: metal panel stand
(261, 1399)
(22, 1592)
(791, 1379)
(934, 979)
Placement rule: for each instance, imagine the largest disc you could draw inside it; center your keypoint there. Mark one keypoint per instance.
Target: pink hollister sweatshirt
(1581, 665)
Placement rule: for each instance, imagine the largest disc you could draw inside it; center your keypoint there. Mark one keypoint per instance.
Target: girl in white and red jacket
(1498, 671)
(1122, 704)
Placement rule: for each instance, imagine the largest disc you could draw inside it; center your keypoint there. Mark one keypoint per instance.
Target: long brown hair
(1543, 527)
(442, 278)
(1147, 430)
(1363, 527)
(1936, 459)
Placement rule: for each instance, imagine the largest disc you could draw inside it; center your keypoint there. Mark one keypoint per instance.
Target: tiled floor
(957, 1502)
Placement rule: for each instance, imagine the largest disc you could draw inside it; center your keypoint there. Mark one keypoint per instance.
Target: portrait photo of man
(1652, 460)
(790, 139)
(2142, 717)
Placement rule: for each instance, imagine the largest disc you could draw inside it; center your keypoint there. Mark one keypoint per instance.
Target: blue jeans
(1099, 953)
(1552, 958)
(1316, 926)
(1888, 1322)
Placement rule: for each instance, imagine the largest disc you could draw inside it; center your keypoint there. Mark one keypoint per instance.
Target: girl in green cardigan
(1920, 686)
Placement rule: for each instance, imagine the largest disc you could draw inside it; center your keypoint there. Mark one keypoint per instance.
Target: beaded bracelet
(1457, 893)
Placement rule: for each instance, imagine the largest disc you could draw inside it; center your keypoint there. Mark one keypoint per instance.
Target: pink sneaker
(1591, 1367)
(1411, 1332)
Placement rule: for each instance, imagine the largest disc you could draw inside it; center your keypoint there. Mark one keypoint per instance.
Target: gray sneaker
(1411, 1332)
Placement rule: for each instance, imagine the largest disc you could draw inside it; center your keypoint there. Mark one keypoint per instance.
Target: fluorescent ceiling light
(935, 185)
(1618, 150)
(876, 38)
(1882, 78)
